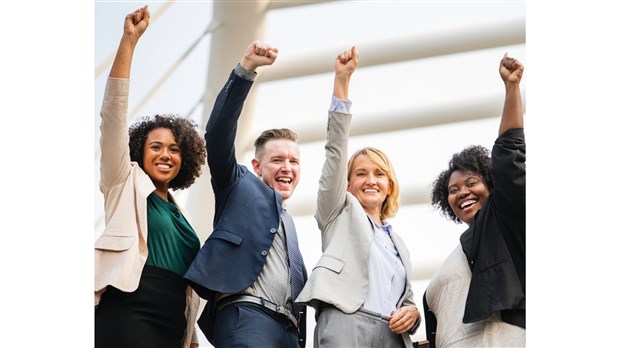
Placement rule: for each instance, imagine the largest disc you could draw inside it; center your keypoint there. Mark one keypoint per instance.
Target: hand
(136, 23)
(258, 54)
(511, 70)
(403, 319)
(346, 62)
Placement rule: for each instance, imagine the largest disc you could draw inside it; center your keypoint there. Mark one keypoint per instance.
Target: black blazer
(247, 212)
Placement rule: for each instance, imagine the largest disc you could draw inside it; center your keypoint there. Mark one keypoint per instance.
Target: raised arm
(511, 72)
(222, 125)
(333, 181)
(114, 141)
(346, 63)
(135, 25)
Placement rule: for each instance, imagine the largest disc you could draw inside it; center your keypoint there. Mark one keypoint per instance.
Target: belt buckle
(282, 310)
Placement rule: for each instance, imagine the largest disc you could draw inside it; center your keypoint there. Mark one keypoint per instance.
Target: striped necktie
(296, 261)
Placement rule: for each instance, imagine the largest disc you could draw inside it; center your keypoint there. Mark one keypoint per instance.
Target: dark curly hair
(474, 159)
(193, 152)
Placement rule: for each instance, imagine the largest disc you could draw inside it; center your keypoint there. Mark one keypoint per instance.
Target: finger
(272, 53)
(402, 321)
(398, 327)
(134, 17)
(502, 62)
(511, 64)
(258, 47)
(147, 13)
(344, 57)
(396, 320)
(266, 49)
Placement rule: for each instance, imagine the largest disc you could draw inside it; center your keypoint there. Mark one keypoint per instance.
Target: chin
(285, 195)
(468, 221)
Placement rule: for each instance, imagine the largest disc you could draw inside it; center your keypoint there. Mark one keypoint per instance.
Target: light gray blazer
(121, 250)
(340, 277)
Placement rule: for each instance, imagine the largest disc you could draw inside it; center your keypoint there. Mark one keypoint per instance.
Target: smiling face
(162, 158)
(369, 184)
(467, 193)
(277, 165)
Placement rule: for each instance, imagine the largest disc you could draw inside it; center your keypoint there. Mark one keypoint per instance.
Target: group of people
(151, 271)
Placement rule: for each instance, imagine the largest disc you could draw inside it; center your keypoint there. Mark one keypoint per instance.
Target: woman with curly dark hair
(141, 299)
(477, 298)
(191, 145)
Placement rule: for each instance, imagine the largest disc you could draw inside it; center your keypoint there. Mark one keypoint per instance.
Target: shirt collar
(387, 227)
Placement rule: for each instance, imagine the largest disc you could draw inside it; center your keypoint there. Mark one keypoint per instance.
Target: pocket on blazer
(114, 243)
(228, 236)
(332, 263)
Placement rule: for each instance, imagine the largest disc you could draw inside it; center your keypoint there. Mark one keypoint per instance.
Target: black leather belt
(258, 300)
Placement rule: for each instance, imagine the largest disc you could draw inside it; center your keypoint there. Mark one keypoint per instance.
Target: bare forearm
(341, 86)
(121, 68)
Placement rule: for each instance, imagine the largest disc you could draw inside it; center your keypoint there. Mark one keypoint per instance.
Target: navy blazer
(247, 212)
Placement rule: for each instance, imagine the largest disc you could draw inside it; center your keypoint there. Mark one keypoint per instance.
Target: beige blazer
(121, 250)
(340, 277)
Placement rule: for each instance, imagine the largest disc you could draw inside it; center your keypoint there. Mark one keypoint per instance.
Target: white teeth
(166, 166)
(467, 203)
(371, 190)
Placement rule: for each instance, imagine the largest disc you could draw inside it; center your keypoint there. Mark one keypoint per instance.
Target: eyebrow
(161, 143)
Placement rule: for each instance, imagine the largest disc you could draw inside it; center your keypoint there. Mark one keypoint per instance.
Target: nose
(286, 166)
(371, 179)
(463, 192)
(165, 154)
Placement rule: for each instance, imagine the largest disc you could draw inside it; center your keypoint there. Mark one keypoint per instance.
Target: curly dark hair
(474, 159)
(193, 152)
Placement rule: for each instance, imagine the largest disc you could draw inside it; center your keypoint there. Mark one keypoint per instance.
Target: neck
(376, 216)
(162, 193)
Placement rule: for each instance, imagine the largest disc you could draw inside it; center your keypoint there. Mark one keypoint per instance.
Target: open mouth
(164, 167)
(468, 203)
(284, 181)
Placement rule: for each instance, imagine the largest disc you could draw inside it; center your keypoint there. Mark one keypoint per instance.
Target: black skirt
(153, 316)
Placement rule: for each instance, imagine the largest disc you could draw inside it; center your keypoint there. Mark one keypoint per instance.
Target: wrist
(248, 65)
(244, 73)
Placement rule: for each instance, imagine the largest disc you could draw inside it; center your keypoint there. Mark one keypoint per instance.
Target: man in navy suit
(242, 270)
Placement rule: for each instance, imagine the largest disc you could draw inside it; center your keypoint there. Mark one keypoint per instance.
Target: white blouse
(446, 295)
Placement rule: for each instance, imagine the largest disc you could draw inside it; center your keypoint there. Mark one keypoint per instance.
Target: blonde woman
(360, 287)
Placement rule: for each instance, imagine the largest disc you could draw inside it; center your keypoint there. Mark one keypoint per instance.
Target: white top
(446, 295)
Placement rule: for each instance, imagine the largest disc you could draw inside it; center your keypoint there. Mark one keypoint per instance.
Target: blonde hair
(392, 201)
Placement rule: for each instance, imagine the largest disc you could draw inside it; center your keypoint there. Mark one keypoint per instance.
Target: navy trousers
(246, 324)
